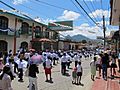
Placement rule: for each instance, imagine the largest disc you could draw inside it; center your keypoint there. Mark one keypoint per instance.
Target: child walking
(74, 75)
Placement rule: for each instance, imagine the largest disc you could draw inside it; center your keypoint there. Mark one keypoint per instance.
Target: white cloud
(85, 30)
(100, 23)
(16, 2)
(99, 13)
(38, 19)
(45, 21)
(69, 15)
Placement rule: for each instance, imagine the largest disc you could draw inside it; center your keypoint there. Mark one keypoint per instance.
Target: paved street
(60, 82)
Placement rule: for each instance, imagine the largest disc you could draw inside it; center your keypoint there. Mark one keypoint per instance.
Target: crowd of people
(13, 65)
(104, 61)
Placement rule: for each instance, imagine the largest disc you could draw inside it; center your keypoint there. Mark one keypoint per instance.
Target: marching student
(48, 67)
(63, 63)
(20, 69)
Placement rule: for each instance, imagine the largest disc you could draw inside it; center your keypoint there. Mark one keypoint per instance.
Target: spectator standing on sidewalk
(98, 64)
(104, 65)
(113, 66)
(93, 68)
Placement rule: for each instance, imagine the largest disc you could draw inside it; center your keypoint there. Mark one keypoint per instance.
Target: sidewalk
(110, 84)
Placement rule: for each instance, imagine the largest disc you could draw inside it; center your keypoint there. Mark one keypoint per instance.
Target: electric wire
(21, 13)
(80, 11)
(93, 6)
(86, 13)
(90, 10)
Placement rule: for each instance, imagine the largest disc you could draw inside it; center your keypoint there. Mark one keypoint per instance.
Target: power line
(93, 6)
(89, 10)
(80, 11)
(54, 6)
(21, 13)
(86, 12)
(101, 6)
(16, 10)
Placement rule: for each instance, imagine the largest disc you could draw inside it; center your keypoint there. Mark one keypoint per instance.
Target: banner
(5, 30)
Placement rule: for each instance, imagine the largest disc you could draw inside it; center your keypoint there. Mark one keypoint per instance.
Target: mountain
(77, 38)
(80, 37)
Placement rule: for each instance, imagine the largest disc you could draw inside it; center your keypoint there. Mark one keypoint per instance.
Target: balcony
(41, 34)
(25, 31)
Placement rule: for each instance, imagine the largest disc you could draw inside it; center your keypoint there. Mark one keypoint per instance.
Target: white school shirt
(48, 63)
(79, 68)
(20, 65)
(76, 58)
(15, 58)
(64, 59)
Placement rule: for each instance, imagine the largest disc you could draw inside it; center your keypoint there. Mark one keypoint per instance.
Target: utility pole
(14, 47)
(104, 29)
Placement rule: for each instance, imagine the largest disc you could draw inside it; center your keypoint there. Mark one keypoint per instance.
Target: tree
(84, 41)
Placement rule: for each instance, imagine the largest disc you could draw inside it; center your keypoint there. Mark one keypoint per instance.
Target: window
(38, 32)
(46, 34)
(3, 24)
(25, 28)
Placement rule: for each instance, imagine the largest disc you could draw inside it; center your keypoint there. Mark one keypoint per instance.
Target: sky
(46, 11)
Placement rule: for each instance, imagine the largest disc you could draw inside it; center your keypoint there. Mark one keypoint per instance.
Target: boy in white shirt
(79, 72)
(48, 67)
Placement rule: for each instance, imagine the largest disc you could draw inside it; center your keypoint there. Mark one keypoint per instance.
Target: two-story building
(17, 31)
(115, 20)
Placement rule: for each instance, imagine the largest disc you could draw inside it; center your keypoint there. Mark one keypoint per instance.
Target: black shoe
(20, 80)
(46, 80)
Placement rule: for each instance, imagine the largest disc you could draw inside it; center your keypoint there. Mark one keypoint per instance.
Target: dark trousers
(54, 60)
(76, 63)
(63, 69)
(20, 73)
(15, 67)
(104, 71)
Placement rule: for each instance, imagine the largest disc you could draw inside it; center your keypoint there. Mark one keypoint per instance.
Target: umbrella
(24, 63)
(37, 59)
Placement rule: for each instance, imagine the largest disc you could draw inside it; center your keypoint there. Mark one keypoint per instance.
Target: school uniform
(20, 69)
(48, 66)
(63, 64)
(79, 70)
